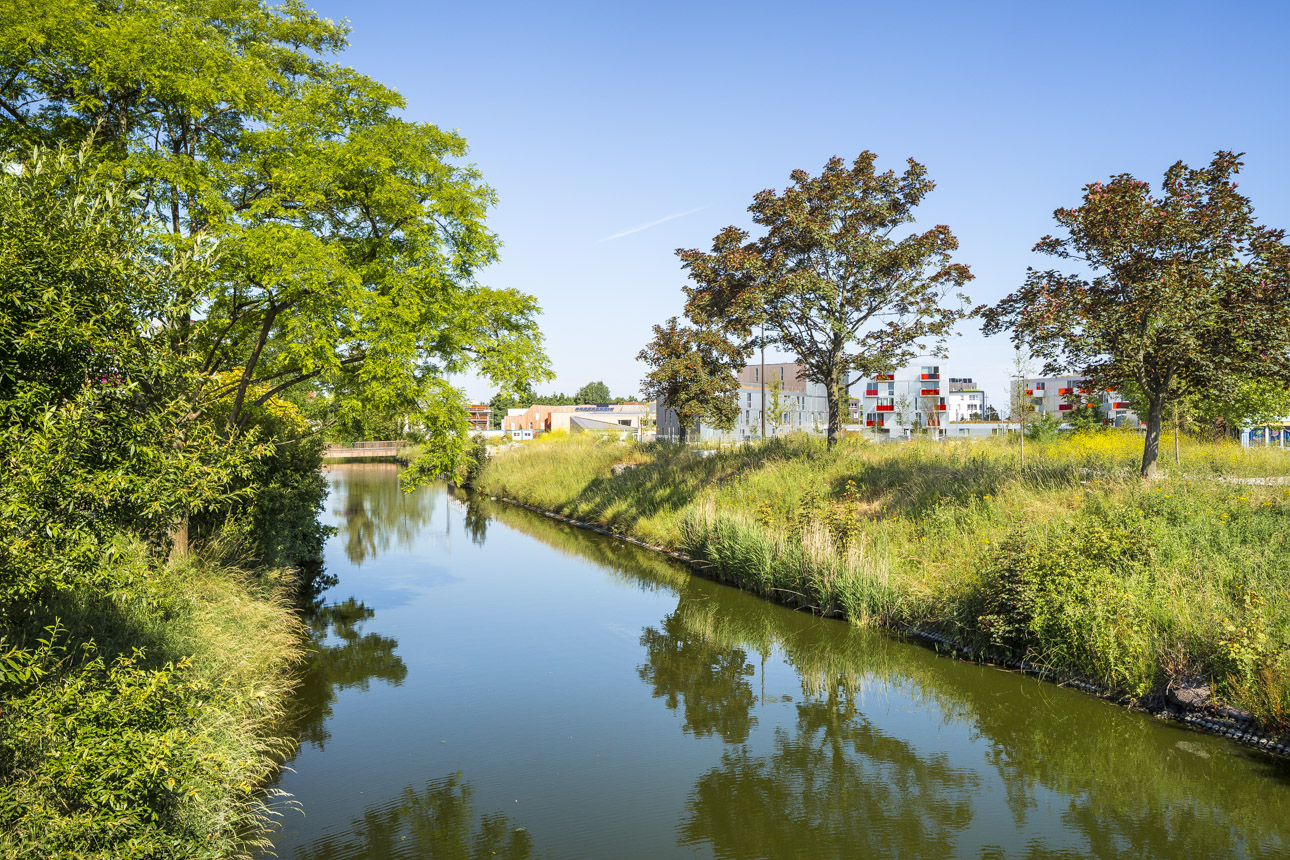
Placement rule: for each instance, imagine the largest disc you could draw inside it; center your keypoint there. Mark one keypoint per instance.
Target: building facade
(1056, 395)
(478, 416)
(542, 417)
(802, 406)
(920, 398)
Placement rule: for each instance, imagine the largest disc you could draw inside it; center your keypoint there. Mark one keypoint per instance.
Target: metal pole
(763, 380)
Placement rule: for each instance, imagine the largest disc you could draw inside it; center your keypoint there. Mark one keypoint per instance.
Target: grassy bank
(138, 720)
(1071, 562)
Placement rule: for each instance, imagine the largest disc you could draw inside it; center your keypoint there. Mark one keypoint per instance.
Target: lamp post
(763, 379)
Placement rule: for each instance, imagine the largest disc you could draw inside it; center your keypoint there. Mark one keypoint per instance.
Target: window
(626, 422)
(750, 398)
(1039, 386)
(756, 374)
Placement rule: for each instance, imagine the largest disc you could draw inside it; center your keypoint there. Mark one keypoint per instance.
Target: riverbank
(142, 716)
(1173, 591)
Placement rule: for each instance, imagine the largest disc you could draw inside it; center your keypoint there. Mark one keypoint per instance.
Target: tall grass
(148, 719)
(1071, 561)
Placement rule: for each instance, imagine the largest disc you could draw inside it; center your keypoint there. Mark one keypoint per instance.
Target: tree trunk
(835, 412)
(681, 433)
(1151, 450)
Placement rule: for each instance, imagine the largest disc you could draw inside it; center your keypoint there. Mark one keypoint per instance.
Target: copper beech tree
(1180, 292)
(833, 279)
(692, 370)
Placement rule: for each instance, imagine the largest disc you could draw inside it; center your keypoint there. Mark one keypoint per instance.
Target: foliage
(113, 750)
(1186, 292)
(349, 237)
(96, 434)
(692, 371)
(1043, 428)
(828, 280)
(592, 392)
(274, 510)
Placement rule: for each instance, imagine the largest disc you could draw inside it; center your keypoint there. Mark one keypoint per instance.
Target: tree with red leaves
(833, 280)
(1181, 292)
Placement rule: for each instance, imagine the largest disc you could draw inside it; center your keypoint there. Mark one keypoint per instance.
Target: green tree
(829, 279)
(592, 392)
(692, 371)
(95, 430)
(349, 238)
(1184, 291)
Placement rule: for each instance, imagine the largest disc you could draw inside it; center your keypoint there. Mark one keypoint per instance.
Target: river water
(490, 683)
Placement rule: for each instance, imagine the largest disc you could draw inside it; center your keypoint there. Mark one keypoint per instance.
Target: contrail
(653, 224)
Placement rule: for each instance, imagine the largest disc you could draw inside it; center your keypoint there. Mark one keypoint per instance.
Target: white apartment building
(803, 406)
(917, 398)
(1055, 395)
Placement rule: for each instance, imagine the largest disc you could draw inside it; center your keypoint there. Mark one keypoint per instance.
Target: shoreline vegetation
(149, 713)
(1168, 593)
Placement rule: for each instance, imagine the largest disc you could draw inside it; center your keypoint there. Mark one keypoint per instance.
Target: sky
(615, 133)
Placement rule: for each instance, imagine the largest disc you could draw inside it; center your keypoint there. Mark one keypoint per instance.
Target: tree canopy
(1180, 293)
(831, 279)
(692, 370)
(343, 241)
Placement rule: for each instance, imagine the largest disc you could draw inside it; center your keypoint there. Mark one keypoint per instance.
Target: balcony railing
(1064, 390)
(884, 408)
(927, 391)
(931, 376)
(1064, 407)
(871, 392)
(885, 377)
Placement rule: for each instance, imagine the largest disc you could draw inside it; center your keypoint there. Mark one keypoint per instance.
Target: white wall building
(922, 397)
(1055, 395)
(803, 407)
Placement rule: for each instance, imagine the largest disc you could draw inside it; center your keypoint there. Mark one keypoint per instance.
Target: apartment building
(919, 397)
(803, 406)
(1055, 395)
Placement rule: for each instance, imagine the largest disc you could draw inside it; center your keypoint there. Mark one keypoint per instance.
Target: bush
(1067, 597)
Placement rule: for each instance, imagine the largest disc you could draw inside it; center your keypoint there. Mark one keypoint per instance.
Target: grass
(147, 717)
(1072, 562)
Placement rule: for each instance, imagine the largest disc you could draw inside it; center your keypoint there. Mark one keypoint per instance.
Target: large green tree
(832, 279)
(349, 239)
(1179, 293)
(692, 371)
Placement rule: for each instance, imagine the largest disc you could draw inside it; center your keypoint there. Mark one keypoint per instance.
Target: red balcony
(1064, 390)
(940, 407)
(871, 392)
(1029, 392)
(885, 377)
(931, 376)
(1120, 404)
(932, 391)
(868, 424)
(884, 408)
(1064, 407)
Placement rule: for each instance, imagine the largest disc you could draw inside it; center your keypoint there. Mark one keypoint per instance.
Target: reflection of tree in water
(437, 822)
(341, 656)
(375, 513)
(477, 515)
(1129, 788)
(838, 787)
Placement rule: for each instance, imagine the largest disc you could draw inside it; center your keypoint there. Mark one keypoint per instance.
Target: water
(494, 684)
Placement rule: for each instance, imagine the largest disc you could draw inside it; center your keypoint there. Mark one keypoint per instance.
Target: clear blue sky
(593, 120)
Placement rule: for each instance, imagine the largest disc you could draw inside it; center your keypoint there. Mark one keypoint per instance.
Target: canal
(490, 683)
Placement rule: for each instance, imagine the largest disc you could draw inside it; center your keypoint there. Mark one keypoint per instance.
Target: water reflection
(437, 821)
(341, 657)
(1075, 777)
(375, 514)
